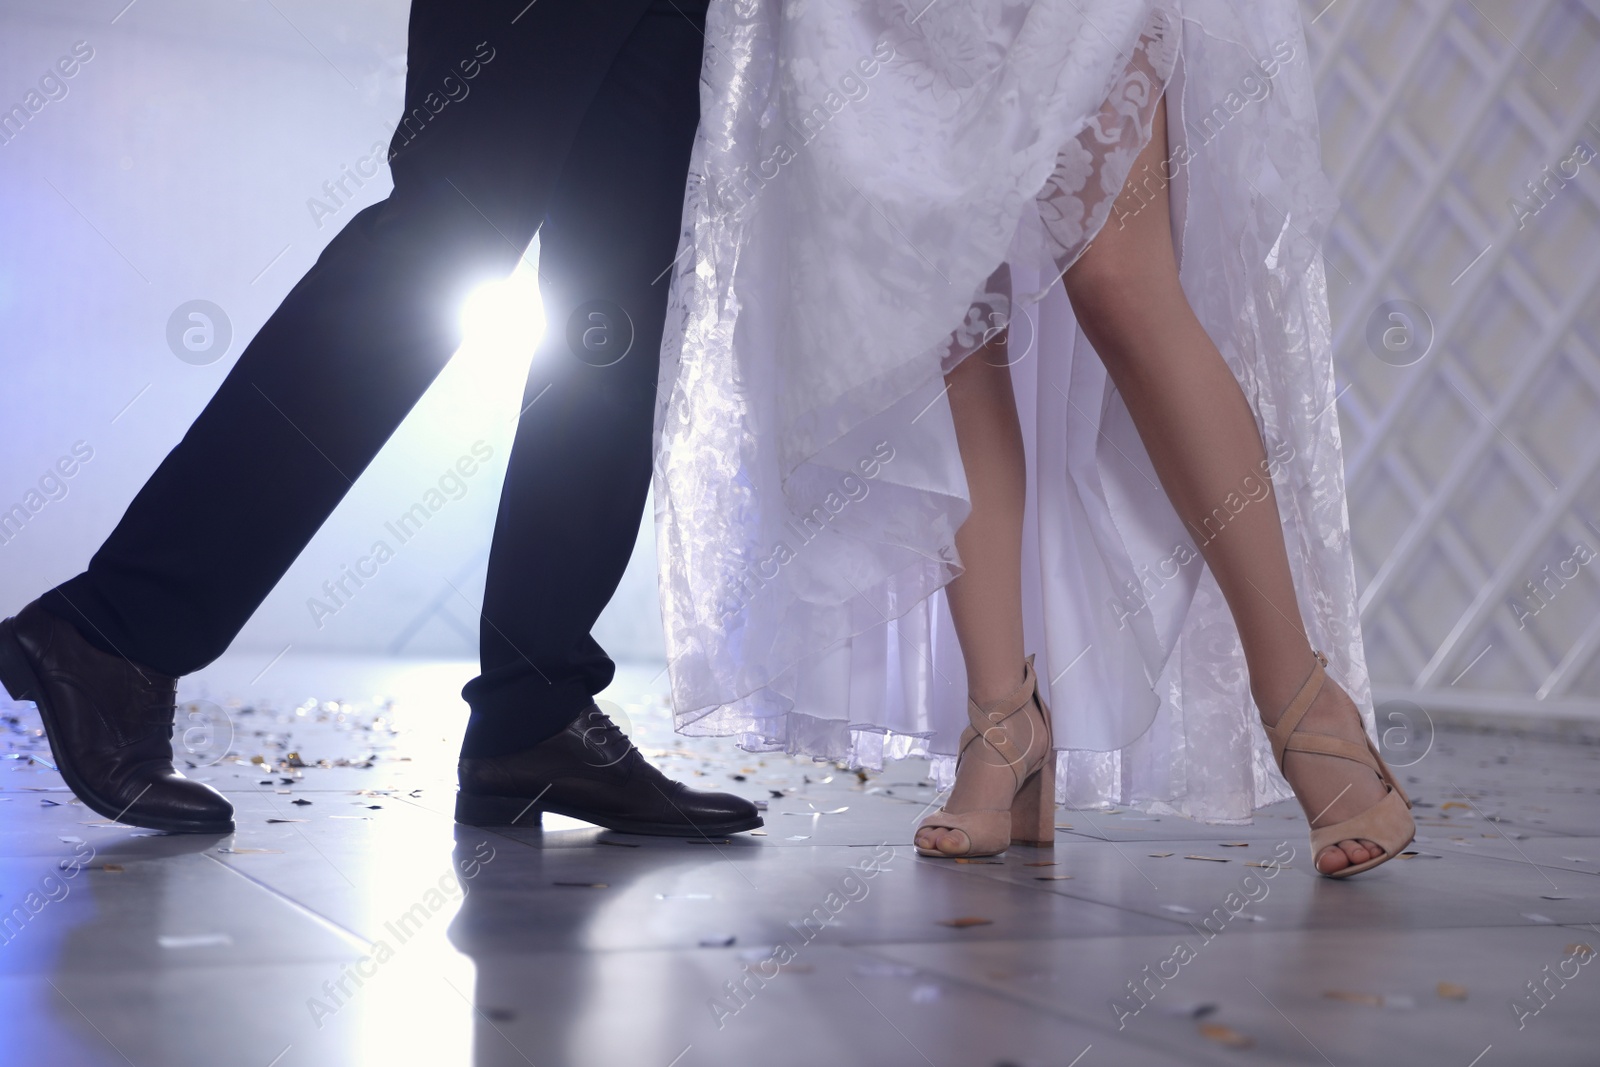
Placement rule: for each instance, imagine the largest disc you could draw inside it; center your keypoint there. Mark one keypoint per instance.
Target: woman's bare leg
(986, 600)
(1201, 436)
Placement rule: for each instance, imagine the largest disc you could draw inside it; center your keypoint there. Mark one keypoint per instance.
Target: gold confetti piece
(1063, 826)
(584, 885)
(114, 868)
(1579, 949)
(1225, 1035)
(1211, 859)
(1447, 805)
(1051, 877)
(966, 920)
(1235, 844)
(1041, 863)
(1369, 999)
(963, 859)
(1159, 855)
(1265, 863)
(1451, 991)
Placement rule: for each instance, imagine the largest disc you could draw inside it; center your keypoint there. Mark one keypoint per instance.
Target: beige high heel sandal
(1031, 817)
(1388, 823)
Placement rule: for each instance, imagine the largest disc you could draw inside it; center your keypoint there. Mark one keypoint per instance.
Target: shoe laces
(605, 738)
(156, 701)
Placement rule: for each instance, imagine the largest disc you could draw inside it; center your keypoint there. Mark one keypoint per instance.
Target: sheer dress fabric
(878, 186)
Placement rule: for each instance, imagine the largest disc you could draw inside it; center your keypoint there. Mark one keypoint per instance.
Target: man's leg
(580, 467)
(337, 367)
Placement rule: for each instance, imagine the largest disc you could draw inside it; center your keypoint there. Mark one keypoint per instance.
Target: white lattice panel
(1462, 138)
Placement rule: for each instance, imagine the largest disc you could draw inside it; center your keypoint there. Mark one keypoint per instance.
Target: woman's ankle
(1274, 689)
(998, 688)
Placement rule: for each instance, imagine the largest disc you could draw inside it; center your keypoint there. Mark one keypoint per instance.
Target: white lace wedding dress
(875, 184)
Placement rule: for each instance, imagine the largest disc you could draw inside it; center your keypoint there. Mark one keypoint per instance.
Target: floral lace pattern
(877, 186)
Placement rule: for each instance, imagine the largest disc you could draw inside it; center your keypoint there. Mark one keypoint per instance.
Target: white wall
(1473, 459)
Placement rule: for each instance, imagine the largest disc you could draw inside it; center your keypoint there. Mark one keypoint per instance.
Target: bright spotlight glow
(503, 322)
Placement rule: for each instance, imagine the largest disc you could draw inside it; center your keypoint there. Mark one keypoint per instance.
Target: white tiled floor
(332, 939)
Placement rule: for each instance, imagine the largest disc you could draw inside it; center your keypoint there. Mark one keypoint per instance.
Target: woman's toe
(953, 843)
(1347, 854)
(1333, 858)
(1357, 851)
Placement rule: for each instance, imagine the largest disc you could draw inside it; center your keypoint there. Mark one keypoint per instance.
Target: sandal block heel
(1033, 809)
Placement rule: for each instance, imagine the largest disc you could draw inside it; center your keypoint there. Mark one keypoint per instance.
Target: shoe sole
(16, 674)
(478, 809)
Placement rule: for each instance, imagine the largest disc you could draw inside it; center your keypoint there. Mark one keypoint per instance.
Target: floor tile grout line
(1153, 1044)
(339, 929)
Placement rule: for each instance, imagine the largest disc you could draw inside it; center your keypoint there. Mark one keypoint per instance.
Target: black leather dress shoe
(109, 725)
(591, 771)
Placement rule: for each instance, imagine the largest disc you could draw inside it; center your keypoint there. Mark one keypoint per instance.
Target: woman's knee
(1110, 290)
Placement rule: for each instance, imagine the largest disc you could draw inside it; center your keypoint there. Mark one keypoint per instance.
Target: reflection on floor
(350, 922)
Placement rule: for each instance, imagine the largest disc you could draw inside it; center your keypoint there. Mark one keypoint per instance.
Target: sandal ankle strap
(988, 722)
(1280, 732)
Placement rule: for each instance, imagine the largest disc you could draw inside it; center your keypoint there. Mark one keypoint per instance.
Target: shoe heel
(477, 809)
(1033, 809)
(15, 672)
